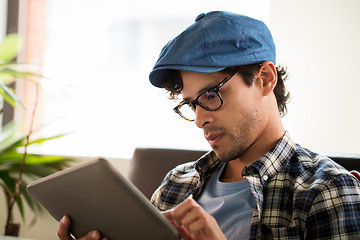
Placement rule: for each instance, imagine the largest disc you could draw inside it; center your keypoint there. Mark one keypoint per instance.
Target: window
(98, 57)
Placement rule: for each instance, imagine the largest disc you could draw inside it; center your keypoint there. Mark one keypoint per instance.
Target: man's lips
(213, 138)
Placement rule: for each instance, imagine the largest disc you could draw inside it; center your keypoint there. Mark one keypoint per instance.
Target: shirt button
(201, 15)
(265, 177)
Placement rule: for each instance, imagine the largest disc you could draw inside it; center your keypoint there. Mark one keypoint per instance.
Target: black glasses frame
(195, 102)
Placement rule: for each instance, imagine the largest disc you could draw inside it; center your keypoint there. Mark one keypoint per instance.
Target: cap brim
(160, 74)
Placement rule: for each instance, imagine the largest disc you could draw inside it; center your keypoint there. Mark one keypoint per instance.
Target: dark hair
(248, 72)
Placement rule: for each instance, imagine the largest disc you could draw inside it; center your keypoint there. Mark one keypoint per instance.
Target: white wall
(319, 42)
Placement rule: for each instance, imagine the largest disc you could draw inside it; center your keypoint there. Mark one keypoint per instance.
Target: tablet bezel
(97, 197)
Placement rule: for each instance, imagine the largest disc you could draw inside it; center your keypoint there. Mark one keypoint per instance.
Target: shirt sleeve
(175, 187)
(335, 211)
(156, 197)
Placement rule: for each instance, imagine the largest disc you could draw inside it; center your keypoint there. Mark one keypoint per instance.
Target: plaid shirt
(299, 194)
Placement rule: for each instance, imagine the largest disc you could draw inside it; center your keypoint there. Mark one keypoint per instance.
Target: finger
(183, 209)
(64, 234)
(185, 235)
(169, 216)
(183, 232)
(204, 228)
(196, 222)
(93, 235)
(63, 230)
(194, 214)
(201, 225)
(197, 229)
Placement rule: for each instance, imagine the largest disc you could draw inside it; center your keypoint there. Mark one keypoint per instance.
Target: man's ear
(268, 77)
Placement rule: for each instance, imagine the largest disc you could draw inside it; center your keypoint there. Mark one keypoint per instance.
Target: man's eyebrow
(187, 100)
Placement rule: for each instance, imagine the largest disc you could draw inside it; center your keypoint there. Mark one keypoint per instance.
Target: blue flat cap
(217, 40)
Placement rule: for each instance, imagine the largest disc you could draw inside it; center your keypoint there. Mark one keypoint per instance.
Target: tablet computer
(97, 197)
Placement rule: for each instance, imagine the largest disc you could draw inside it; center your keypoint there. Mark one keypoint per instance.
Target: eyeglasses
(209, 100)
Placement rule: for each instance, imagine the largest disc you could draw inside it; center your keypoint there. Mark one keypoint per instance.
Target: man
(257, 183)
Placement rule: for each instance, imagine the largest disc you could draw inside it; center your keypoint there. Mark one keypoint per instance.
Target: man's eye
(210, 95)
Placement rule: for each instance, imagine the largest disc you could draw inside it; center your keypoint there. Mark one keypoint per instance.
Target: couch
(150, 165)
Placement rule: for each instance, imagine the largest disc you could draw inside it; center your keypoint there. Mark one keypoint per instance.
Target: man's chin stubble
(228, 156)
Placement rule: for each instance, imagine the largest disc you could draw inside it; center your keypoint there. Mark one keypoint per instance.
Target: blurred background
(98, 54)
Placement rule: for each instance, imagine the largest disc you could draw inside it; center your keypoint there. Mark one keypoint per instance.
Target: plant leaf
(9, 130)
(20, 205)
(11, 145)
(42, 140)
(41, 167)
(9, 96)
(8, 73)
(8, 181)
(9, 47)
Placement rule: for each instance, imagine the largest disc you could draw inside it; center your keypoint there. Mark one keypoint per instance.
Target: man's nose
(202, 117)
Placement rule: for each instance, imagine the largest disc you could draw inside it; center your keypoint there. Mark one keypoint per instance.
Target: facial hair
(241, 136)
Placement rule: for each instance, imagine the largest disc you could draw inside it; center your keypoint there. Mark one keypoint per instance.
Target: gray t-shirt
(230, 203)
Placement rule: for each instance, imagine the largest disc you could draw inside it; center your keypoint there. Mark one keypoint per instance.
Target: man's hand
(193, 222)
(64, 234)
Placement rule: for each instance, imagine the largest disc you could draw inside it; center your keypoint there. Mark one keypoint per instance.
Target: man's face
(233, 128)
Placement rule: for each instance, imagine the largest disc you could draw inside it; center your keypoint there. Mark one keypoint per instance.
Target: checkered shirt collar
(270, 163)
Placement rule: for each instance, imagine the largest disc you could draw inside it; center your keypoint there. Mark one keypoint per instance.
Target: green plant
(9, 71)
(12, 147)
(17, 166)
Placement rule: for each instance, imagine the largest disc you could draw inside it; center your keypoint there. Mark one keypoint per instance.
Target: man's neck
(231, 172)
(264, 143)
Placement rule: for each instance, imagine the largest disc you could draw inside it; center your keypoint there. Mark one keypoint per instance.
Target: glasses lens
(187, 112)
(210, 100)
